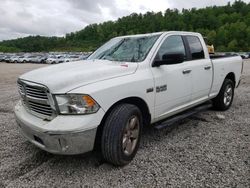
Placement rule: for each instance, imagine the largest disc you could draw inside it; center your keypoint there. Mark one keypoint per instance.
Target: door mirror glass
(168, 59)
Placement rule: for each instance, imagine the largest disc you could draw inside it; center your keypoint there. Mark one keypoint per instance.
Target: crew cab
(128, 83)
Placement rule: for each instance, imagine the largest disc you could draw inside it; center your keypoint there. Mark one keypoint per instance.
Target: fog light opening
(63, 144)
(39, 140)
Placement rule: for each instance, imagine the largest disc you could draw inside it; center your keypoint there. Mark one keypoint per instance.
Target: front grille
(40, 108)
(35, 98)
(35, 92)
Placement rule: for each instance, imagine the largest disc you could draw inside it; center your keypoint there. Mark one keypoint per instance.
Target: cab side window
(196, 48)
(171, 45)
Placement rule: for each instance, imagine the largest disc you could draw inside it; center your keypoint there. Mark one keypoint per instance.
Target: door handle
(187, 71)
(207, 67)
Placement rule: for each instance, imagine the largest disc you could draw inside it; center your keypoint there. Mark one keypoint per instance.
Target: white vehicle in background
(33, 58)
(41, 59)
(23, 59)
(128, 83)
(6, 58)
(15, 59)
(55, 59)
(30, 58)
(69, 58)
(66, 58)
(244, 55)
(83, 57)
(2, 57)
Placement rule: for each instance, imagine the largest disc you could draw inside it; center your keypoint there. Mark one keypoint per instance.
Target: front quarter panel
(108, 92)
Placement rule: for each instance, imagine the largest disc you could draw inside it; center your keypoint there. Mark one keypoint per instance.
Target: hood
(64, 77)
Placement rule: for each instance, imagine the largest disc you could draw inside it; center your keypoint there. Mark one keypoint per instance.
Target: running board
(168, 122)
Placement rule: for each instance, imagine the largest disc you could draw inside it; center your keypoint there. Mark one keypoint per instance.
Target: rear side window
(196, 48)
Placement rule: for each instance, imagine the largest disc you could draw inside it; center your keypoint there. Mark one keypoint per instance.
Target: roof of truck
(160, 33)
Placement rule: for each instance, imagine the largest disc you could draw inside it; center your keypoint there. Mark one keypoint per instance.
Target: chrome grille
(35, 98)
(35, 92)
(40, 108)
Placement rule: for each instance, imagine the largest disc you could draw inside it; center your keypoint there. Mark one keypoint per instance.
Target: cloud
(58, 17)
(92, 6)
(197, 3)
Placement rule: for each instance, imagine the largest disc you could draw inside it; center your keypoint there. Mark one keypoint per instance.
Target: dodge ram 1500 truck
(128, 83)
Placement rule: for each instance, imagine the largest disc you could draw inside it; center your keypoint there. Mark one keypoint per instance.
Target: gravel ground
(210, 149)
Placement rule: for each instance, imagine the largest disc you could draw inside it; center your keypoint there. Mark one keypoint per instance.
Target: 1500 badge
(161, 88)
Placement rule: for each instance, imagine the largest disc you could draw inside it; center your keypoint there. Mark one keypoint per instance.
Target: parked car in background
(66, 58)
(6, 58)
(55, 59)
(243, 55)
(2, 57)
(31, 59)
(41, 59)
(15, 59)
(69, 58)
(22, 59)
(84, 56)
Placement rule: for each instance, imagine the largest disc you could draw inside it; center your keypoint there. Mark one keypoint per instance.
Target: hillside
(227, 27)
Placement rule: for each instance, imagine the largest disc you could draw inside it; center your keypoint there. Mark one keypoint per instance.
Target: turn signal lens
(89, 101)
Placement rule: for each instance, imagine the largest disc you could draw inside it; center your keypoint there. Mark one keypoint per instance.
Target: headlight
(76, 104)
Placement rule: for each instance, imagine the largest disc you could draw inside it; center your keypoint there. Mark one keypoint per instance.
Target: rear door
(173, 83)
(202, 70)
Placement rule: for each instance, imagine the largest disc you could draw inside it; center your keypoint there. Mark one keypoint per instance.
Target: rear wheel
(121, 134)
(224, 99)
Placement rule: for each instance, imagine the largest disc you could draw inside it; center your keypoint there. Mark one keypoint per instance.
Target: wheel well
(140, 103)
(231, 76)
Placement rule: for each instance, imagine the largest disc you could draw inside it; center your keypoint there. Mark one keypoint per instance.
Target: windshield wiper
(133, 59)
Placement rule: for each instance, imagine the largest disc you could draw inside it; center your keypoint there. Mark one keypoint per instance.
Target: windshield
(129, 49)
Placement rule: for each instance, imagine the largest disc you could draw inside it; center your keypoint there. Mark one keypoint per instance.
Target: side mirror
(168, 59)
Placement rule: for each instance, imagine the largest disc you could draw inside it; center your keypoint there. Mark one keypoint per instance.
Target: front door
(173, 82)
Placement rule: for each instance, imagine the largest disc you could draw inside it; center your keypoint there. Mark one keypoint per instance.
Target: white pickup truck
(128, 83)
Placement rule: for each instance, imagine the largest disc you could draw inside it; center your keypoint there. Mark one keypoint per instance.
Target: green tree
(232, 46)
(227, 27)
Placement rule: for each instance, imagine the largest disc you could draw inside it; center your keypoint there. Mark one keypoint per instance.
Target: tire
(120, 142)
(224, 99)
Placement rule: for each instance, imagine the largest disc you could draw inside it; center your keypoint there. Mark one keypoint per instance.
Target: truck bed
(223, 65)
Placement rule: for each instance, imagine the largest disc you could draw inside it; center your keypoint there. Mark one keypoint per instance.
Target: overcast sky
(21, 18)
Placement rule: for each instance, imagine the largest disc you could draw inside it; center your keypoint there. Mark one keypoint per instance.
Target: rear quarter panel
(222, 67)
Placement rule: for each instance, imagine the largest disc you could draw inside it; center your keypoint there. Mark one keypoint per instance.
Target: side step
(168, 122)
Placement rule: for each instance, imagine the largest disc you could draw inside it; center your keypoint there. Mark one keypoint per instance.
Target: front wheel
(224, 99)
(121, 134)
